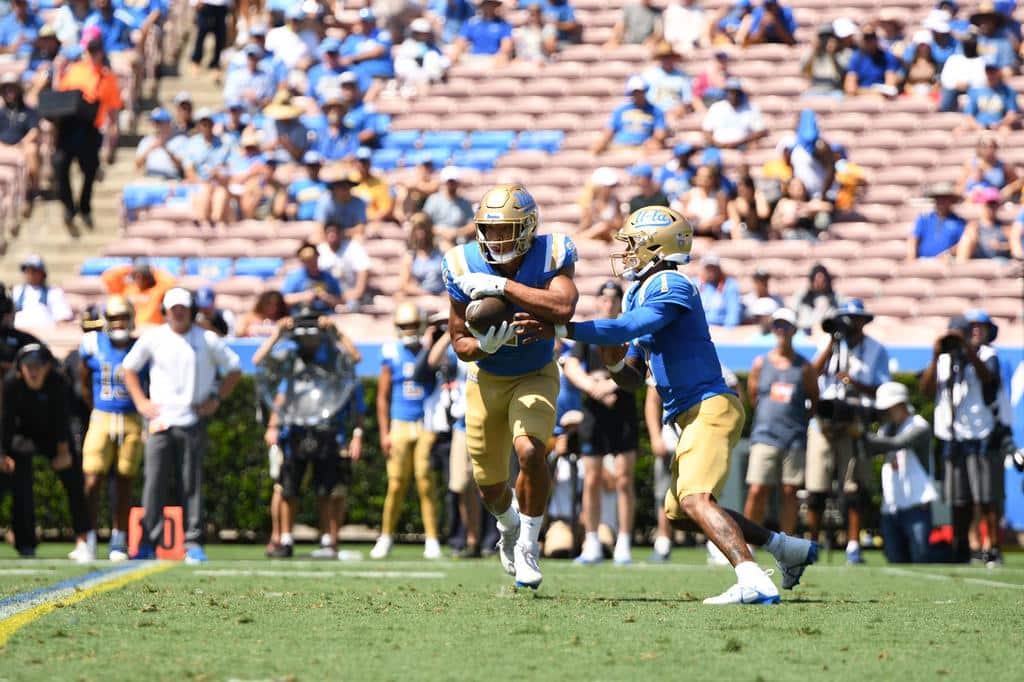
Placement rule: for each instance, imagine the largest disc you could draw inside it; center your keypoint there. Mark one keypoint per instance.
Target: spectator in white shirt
(686, 27)
(733, 123)
(36, 303)
(184, 364)
(347, 261)
(961, 72)
(286, 41)
(668, 86)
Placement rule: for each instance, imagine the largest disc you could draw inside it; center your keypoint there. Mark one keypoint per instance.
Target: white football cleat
(324, 552)
(590, 554)
(744, 594)
(82, 553)
(527, 571)
(506, 549)
(117, 555)
(382, 549)
(796, 555)
(623, 555)
(432, 549)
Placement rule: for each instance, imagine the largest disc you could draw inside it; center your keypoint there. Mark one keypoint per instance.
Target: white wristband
(617, 367)
(561, 331)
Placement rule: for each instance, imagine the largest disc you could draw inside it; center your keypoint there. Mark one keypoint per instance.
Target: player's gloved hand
(480, 284)
(495, 338)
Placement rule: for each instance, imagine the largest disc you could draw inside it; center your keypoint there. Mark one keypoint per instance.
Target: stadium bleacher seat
(261, 267)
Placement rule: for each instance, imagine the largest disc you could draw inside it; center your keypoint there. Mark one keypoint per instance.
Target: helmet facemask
(635, 260)
(506, 250)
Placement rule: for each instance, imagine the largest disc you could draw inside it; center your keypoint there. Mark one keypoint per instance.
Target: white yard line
(25, 571)
(948, 578)
(241, 573)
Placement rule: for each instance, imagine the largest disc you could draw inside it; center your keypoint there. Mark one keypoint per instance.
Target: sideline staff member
(79, 139)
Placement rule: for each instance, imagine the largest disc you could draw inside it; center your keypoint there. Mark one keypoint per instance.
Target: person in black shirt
(648, 191)
(611, 426)
(35, 420)
(19, 129)
(11, 340)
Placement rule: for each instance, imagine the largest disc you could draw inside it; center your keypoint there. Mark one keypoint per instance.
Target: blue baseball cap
(712, 156)
(854, 308)
(329, 46)
(641, 170)
(160, 115)
(366, 14)
(204, 297)
(234, 104)
(683, 148)
(979, 316)
(251, 50)
(312, 158)
(364, 153)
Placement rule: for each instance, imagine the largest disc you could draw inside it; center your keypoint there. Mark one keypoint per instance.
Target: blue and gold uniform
(513, 392)
(664, 320)
(411, 440)
(115, 428)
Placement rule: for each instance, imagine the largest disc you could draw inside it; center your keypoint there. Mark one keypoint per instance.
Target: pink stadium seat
(892, 249)
(385, 248)
(239, 286)
(894, 306)
(870, 267)
(916, 287)
(89, 287)
(925, 267)
(944, 306)
(130, 247)
(858, 287)
(836, 248)
(230, 248)
(184, 248)
(276, 248)
(1010, 308)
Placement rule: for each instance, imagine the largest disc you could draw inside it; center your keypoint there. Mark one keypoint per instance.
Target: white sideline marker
(257, 573)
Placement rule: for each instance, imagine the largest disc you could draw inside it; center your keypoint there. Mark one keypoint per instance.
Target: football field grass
(246, 618)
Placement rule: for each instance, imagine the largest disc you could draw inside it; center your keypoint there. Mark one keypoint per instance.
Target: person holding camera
(185, 363)
(907, 490)
(964, 377)
(312, 357)
(850, 368)
(36, 421)
(404, 441)
(821, 65)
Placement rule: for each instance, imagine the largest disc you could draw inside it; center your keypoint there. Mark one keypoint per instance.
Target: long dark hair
(808, 298)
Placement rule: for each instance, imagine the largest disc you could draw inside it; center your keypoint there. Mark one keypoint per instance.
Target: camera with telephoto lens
(950, 343)
(837, 326)
(839, 411)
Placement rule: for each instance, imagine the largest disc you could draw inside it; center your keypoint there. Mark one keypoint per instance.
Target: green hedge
(238, 488)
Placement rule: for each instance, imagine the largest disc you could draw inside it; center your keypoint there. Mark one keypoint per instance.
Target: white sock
(384, 538)
(662, 545)
(748, 573)
(529, 531)
(852, 546)
(592, 540)
(508, 519)
(774, 545)
(325, 540)
(286, 539)
(90, 539)
(623, 540)
(118, 538)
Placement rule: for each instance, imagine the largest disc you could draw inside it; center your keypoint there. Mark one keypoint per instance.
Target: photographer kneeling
(308, 366)
(850, 368)
(964, 377)
(907, 490)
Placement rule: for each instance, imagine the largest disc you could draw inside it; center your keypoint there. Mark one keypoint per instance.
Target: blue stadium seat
(401, 139)
(171, 264)
(478, 159)
(136, 197)
(439, 156)
(544, 140)
(262, 267)
(386, 159)
(94, 267)
(492, 139)
(213, 269)
(434, 139)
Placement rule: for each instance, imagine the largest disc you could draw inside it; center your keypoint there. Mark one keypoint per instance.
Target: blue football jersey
(407, 394)
(681, 356)
(548, 254)
(104, 360)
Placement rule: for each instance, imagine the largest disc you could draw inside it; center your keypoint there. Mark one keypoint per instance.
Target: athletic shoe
(349, 555)
(82, 553)
(744, 594)
(506, 549)
(145, 552)
(993, 558)
(276, 550)
(118, 554)
(978, 557)
(382, 549)
(657, 557)
(27, 553)
(432, 549)
(796, 555)
(853, 557)
(324, 552)
(468, 552)
(623, 556)
(194, 554)
(591, 554)
(527, 571)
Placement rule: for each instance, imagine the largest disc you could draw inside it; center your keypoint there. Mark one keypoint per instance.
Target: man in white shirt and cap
(36, 303)
(185, 363)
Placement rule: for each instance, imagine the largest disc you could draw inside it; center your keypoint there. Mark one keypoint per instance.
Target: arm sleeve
(139, 356)
(449, 276)
(877, 443)
(638, 322)
(919, 227)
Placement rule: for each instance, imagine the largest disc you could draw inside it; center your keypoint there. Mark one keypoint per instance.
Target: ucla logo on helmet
(523, 199)
(652, 217)
(493, 216)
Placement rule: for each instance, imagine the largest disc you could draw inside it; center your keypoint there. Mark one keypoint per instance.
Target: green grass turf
(327, 620)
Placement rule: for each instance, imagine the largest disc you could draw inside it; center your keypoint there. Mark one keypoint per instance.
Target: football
(487, 312)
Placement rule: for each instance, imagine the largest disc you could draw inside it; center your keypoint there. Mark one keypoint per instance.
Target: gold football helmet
(506, 205)
(410, 322)
(118, 307)
(652, 235)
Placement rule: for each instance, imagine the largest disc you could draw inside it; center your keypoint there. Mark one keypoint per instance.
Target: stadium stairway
(44, 232)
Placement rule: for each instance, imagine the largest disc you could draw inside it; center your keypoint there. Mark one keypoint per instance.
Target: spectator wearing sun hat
(286, 137)
(994, 43)
(993, 106)
(937, 232)
(636, 123)
(987, 236)
(161, 154)
(19, 128)
(36, 303)
(734, 122)
(339, 205)
(668, 86)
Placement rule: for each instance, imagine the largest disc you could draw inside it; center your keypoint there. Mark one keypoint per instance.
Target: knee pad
(816, 501)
